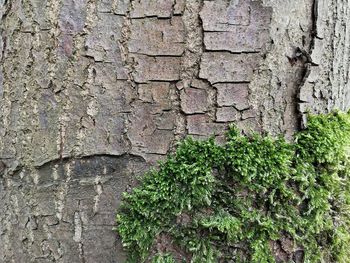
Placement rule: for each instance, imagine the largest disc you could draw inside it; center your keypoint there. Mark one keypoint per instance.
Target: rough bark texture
(93, 92)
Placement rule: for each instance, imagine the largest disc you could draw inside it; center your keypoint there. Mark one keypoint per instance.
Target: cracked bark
(93, 92)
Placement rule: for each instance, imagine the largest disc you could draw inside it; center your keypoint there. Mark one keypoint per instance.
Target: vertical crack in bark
(123, 43)
(327, 86)
(307, 64)
(212, 92)
(129, 65)
(173, 9)
(194, 42)
(7, 6)
(275, 88)
(191, 58)
(314, 17)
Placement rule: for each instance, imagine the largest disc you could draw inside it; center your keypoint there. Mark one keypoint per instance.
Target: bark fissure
(93, 92)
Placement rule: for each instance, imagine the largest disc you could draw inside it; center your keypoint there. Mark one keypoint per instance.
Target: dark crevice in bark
(306, 56)
(212, 91)
(194, 40)
(125, 36)
(192, 55)
(89, 157)
(129, 65)
(8, 7)
(156, 56)
(229, 51)
(227, 82)
(314, 16)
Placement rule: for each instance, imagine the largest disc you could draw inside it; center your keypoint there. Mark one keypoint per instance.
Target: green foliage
(163, 258)
(233, 201)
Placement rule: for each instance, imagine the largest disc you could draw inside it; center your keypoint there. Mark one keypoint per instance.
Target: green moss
(232, 201)
(163, 258)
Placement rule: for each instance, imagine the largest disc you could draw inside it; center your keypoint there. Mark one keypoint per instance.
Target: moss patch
(254, 199)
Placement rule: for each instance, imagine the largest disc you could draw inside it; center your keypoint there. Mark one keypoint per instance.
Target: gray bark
(94, 92)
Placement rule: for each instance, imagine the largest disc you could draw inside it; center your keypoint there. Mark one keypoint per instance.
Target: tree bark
(94, 92)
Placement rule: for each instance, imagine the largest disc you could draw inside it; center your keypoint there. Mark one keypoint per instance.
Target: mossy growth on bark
(253, 199)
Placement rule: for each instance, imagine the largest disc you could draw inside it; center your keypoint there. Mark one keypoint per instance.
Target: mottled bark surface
(93, 92)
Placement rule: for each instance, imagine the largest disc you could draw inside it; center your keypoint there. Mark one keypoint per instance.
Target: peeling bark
(93, 92)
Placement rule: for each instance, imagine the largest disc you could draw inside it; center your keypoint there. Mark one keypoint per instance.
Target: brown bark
(93, 92)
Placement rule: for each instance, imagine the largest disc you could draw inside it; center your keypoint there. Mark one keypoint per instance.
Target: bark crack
(307, 63)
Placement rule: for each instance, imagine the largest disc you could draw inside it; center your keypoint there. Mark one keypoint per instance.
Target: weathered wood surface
(92, 92)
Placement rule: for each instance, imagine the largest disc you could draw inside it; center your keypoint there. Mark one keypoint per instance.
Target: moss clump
(254, 199)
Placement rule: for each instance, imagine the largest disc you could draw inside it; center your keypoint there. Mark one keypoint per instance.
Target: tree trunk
(93, 92)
